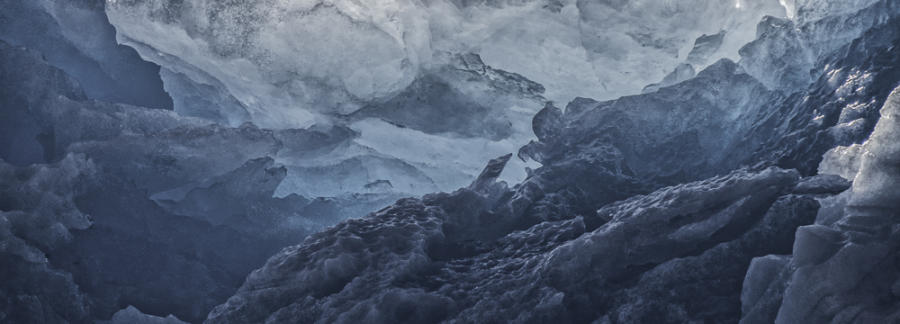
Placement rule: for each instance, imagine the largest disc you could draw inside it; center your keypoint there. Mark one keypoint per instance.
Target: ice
(660, 135)
(256, 49)
(785, 53)
(292, 117)
(131, 315)
(843, 259)
(433, 260)
(207, 101)
(76, 37)
(76, 206)
(762, 277)
(39, 208)
(38, 214)
(823, 184)
(289, 64)
(681, 73)
(560, 247)
(808, 10)
(879, 172)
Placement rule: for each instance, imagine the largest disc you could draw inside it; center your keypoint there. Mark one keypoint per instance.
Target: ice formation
(540, 161)
(145, 187)
(556, 247)
(288, 64)
(418, 261)
(335, 56)
(840, 264)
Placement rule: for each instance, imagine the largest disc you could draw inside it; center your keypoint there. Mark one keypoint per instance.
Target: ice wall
(281, 58)
(368, 65)
(875, 187)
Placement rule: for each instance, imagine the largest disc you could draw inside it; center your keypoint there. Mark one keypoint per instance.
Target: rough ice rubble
(39, 208)
(543, 209)
(672, 135)
(790, 126)
(577, 167)
(414, 262)
(37, 216)
(132, 315)
(786, 52)
(168, 256)
(876, 183)
(840, 107)
(43, 122)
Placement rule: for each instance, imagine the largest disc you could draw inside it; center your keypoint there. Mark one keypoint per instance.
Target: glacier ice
(347, 53)
(151, 177)
(132, 315)
(415, 262)
(837, 271)
(875, 184)
(558, 246)
(38, 215)
(294, 64)
(732, 167)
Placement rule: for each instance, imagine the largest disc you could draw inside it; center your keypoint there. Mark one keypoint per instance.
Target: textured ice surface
(76, 37)
(432, 260)
(334, 56)
(131, 315)
(641, 204)
(823, 184)
(786, 51)
(212, 219)
(389, 68)
(38, 214)
(677, 133)
(845, 271)
(876, 184)
(558, 247)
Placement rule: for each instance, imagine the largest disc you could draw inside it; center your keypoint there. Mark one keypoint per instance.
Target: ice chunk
(38, 205)
(840, 267)
(38, 214)
(822, 184)
(762, 274)
(274, 57)
(879, 172)
(682, 72)
(131, 315)
(389, 69)
(448, 252)
(705, 47)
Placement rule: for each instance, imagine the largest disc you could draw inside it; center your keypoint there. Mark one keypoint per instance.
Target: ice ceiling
(281, 57)
(297, 63)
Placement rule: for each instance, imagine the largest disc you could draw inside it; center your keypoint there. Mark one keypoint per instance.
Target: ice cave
(449, 161)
